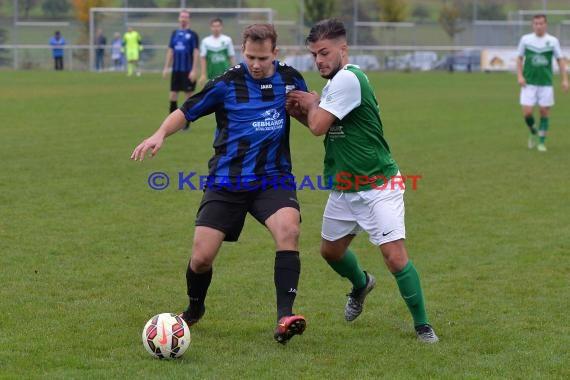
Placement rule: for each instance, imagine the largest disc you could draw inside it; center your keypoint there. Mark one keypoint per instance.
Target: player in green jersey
(132, 46)
(216, 52)
(358, 159)
(534, 74)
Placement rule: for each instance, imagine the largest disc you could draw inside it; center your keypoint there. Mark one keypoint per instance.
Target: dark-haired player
(348, 114)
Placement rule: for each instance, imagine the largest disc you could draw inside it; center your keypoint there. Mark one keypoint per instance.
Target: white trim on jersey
(216, 44)
(341, 94)
(538, 44)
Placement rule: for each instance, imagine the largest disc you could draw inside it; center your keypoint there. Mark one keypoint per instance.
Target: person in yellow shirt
(132, 46)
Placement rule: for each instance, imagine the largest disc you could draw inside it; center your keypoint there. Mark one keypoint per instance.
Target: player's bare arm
(317, 119)
(520, 77)
(562, 67)
(202, 70)
(172, 124)
(192, 76)
(167, 62)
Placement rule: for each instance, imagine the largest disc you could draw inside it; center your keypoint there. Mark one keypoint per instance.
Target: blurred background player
(534, 74)
(182, 56)
(217, 52)
(117, 52)
(57, 42)
(100, 42)
(132, 44)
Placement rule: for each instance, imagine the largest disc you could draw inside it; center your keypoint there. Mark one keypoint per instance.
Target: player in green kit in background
(534, 74)
(347, 114)
(217, 52)
(132, 47)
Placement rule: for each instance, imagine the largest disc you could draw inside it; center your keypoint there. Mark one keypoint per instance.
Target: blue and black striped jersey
(252, 131)
(183, 42)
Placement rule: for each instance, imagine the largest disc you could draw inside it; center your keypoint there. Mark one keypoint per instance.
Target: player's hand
(294, 110)
(565, 86)
(154, 142)
(165, 72)
(301, 99)
(522, 81)
(192, 76)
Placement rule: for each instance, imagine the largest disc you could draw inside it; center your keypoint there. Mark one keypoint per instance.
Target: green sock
(348, 267)
(529, 120)
(130, 68)
(408, 281)
(542, 129)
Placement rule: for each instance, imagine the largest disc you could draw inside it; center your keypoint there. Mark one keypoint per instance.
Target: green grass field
(89, 252)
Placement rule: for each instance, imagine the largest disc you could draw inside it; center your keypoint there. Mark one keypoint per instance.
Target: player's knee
(327, 254)
(395, 255)
(331, 253)
(289, 233)
(396, 263)
(292, 232)
(200, 263)
(202, 257)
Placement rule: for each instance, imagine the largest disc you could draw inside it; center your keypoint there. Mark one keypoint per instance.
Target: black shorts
(225, 210)
(179, 81)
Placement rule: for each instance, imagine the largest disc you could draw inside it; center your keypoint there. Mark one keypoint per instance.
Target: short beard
(332, 73)
(338, 68)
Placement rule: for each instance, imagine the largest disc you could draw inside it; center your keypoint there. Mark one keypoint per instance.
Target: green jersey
(538, 53)
(217, 51)
(355, 144)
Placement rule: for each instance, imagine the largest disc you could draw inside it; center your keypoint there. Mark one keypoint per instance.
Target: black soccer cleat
(356, 298)
(187, 316)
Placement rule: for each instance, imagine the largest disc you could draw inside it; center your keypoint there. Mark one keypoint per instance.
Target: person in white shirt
(534, 74)
(217, 52)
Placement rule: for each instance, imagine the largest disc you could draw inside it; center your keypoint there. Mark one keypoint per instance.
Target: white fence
(370, 58)
(76, 57)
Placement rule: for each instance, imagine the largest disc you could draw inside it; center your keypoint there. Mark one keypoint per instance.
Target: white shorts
(378, 212)
(532, 95)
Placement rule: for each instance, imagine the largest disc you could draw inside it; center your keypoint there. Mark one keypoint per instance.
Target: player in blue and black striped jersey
(250, 170)
(182, 56)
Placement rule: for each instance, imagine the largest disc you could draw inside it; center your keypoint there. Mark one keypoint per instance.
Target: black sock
(286, 277)
(529, 120)
(197, 286)
(173, 106)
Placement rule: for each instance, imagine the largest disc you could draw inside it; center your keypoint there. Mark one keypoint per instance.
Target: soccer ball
(166, 336)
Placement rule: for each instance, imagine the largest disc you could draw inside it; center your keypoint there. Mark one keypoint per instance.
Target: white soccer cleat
(541, 148)
(426, 334)
(532, 141)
